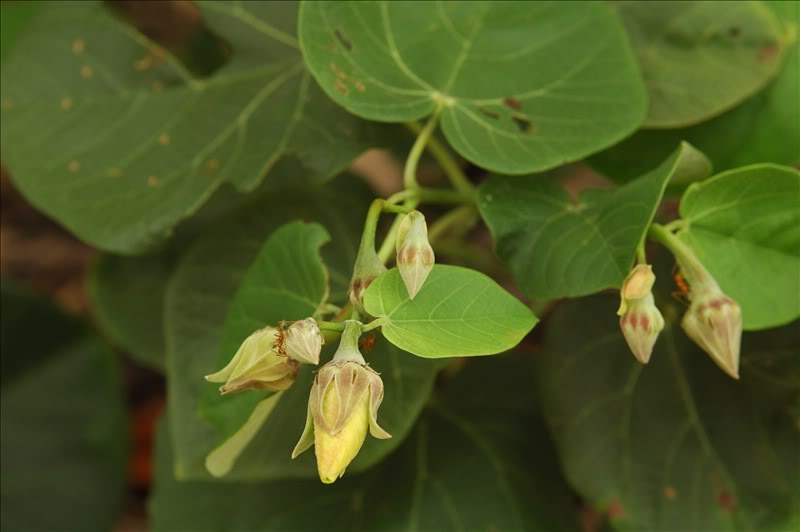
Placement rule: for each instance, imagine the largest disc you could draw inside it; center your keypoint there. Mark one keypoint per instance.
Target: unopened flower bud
(640, 319)
(343, 405)
(414, 253)
(302, 341)
(714, 322)
(257, 365)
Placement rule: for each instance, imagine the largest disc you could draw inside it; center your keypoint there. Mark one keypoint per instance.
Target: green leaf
(675, 444)
(745, 227)
(700, 58)
(458, 312)
(62, 421)
(15, 18)
(765, 128)
(560, 248)
(107, 133)
(286, 281)
(127, 301)
(463, 448)
(198, 299)
(520, 89)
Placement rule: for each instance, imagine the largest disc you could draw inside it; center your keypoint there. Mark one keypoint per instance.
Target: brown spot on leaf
(152, 181)
(143, 64)
(7, 104)
(78, 46)
(768, 53)
(164, 139)
(73, 166)
(87, 71)
(512, 103)
(115, 172)
(669, 492)
(494, 115)
(341, 88)
(343, 40)
(523, 123)
(156, 85)
(615, 510)
(726, 501)
(359, 86)
(66, 103)
(338, 72)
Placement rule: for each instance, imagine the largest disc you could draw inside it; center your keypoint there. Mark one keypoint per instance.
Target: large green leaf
(700, 58)
(108, 134)
(62, 422)
(286, 281)
(675, 444)
(198, 300)
(458, 312)
(474, 462)
(127, 300)
(765, 128)
(557, 247)
(745, 227)
(521, 88)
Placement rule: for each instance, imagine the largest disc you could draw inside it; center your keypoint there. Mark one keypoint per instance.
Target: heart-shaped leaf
(701, 58)
(458, 312)
(520, 90)
(675, 444)
(108, 133)
(745, 227)
(765, 128)
(560, 248)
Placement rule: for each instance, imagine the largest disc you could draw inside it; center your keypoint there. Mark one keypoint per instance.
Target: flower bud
(714, 322)
(640, 319)
(257, 365)
(343, 404)
(641, 324)
(302, 341)
(414, 253)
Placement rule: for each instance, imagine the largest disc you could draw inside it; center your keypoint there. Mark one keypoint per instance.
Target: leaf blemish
(343, 40)
(152, 181)
(488, 112)
(164, 139)
(512, 103)
(87, 72)
(726, 501)
(66, 103)
(73, 166)
(768, 53)
(78, 46)
(670, 493)
(523, 123)
(341, 88)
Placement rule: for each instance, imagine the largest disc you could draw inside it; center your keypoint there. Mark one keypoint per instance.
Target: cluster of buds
(343, 405)
(414, 253)
(713, 321)
(268, 359)
(640, 320)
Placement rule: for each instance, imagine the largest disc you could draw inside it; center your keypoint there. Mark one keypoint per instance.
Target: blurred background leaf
(478, 459)
(62, 421)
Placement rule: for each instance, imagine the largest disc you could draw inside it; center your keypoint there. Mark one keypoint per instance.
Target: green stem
(410, 170)
(348, 344)
(330, 326)
(462, 218)
(691, 267)
(374, 324)
(641, 257)
(448, 163)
